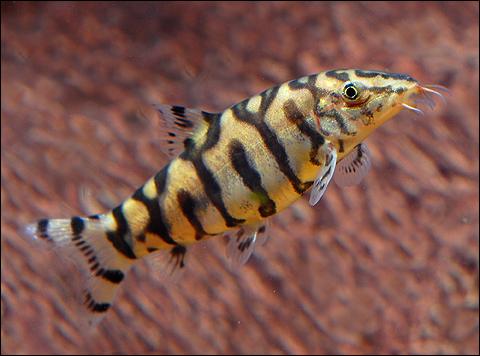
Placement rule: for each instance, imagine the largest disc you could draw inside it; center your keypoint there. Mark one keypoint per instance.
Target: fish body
(230, 171)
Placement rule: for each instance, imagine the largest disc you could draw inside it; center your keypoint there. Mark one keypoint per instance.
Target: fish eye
(350, 91)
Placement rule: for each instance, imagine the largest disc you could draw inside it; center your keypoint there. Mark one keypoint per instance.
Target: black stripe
(308, 184)
(269, 137)
(117, 237)
(329, 159)
(94, 306)
(42, 228)
(184, 121)
(310, 85)
(94, 217)
(90, 304)
(296, 85)
(372, 74)
(268, 96)
(100, 307)
(192, 152)
(94, 266)
(340, 120)
(77, 225)
(209, 117)
(214, 192)
(359, 151)
(122, 224)
(178, 253)
(160, 180)
(213, 133)
(210, 185)
(156, 218)
(187, 204)
(188, 144)
(327, 172)
(80, 243)
(178, 110)
(278, 151)
(184, 125)
(340, 144)
(242, 246)
(384, 89)
(251, 178)
(113, 275)
(368, 113)
(180, 118)
(293, 114)
(340, 75)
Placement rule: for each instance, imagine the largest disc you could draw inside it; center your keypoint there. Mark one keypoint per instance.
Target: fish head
(356, 102)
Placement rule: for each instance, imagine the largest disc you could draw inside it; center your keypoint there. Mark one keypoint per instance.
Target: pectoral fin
(324, 175)
(354, 167)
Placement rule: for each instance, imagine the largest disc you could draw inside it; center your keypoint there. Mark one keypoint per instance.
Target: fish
(230, 172)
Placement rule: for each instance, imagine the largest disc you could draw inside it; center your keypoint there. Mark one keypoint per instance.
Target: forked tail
(85, 239)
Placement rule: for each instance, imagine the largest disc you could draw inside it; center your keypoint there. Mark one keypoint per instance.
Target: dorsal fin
(179, 123)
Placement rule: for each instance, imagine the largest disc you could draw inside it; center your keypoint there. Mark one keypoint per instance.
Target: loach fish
(230, 171)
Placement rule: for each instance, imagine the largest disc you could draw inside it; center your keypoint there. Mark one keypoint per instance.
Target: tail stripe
(42, 228)
(88, 253)
(94, 267)
(79, 243)
(178, 256)
(117, 238)
(112, 275)
(84, 248)
(94, 306)
(88, 242)
(77, 225)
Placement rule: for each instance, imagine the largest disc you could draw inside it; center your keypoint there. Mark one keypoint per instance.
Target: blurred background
(390, 266)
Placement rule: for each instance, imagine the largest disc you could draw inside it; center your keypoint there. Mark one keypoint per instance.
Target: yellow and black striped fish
(231, 171)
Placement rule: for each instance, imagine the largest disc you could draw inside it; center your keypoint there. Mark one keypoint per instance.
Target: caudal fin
(85, 240)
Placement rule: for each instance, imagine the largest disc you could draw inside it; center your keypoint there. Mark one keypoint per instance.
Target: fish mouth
(422, 95)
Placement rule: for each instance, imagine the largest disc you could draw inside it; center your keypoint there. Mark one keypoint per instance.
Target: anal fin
(241, 243)
(170, 263)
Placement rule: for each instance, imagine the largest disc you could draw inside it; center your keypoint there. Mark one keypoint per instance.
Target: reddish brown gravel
(390, 266)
